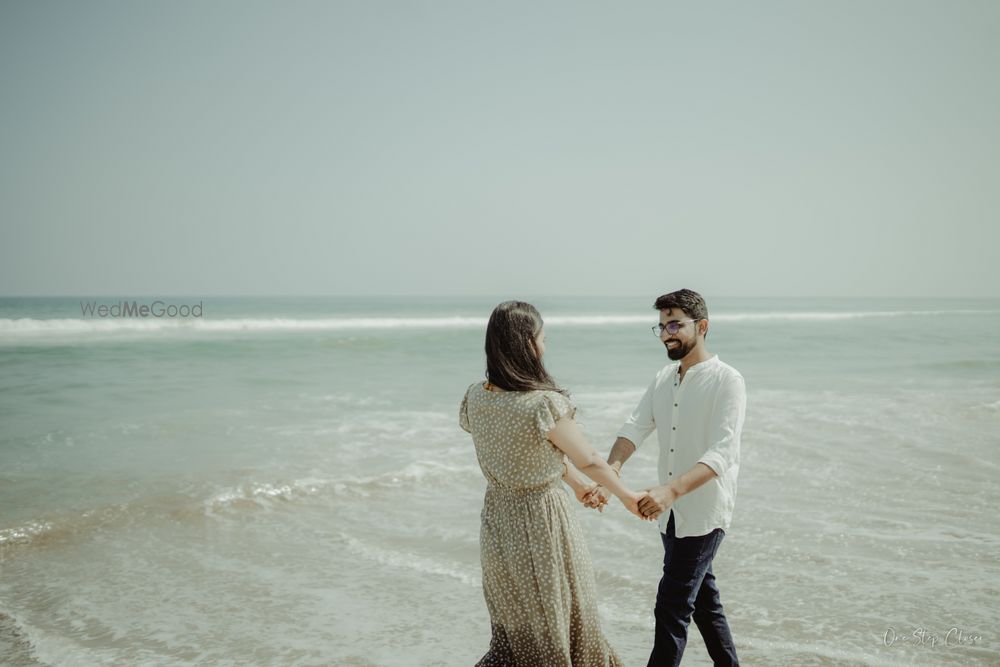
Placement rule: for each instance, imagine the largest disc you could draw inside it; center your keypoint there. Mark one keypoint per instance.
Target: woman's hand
(585, 494)
(631, 503)
(596, 498)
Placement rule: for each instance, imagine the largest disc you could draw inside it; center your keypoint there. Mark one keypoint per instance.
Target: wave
(26, 532)
(246, 496)
(825, 316)
(266, 494)
(410, 561)
(30, 327)
(58, 528)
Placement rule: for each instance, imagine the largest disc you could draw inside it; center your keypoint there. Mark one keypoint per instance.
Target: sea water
(283, 481)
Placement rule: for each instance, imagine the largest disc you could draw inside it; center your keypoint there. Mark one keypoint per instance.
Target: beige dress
(537, 576)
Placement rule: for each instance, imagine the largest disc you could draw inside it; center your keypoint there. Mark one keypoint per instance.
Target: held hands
(632, 503)
(656, 501)
(596, 497)
(589, 496)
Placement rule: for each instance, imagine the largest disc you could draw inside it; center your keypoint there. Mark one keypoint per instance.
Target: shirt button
(671, 450)
(674, 427)
(675, 405)
(670, 473)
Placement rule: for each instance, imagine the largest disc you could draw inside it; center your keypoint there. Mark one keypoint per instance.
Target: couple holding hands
(538, 580)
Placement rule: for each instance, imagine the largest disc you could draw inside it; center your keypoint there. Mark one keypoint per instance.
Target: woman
(537, 577)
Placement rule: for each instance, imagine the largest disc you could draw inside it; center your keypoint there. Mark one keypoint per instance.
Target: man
(697, 407)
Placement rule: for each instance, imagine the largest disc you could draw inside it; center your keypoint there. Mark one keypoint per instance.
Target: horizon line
(472, 296)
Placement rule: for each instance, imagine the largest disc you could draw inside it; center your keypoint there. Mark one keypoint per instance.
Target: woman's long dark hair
(512, 362)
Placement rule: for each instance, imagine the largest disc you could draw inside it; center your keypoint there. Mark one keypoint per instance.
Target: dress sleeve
(552, 407)
(463, 413)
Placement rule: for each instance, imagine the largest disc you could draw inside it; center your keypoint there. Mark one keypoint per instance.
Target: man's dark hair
(512, 362)
(687, 300)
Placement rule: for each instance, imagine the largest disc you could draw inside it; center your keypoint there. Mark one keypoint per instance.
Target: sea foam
(20, 328)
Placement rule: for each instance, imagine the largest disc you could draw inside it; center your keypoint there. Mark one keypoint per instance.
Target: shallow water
(286, 482)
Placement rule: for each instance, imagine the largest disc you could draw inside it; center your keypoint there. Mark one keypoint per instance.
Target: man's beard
(680, 351)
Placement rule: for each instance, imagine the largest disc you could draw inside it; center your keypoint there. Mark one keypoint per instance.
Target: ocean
(283, 481)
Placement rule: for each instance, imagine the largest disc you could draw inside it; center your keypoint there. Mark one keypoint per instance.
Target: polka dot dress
(537, 576)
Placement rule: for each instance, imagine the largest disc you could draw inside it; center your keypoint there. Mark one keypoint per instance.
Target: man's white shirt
(697, 420)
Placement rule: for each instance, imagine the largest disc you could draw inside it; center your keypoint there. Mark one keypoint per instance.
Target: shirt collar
(703, 365)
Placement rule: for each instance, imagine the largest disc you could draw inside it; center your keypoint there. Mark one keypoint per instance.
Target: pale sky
(232, 147)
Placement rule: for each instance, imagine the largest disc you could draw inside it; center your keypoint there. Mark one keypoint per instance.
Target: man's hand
(596, 497)
(658, 500)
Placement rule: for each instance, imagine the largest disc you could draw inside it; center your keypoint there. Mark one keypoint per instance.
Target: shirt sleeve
(640, 423)
(726, 425)
(552, 407)
(463, 413)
